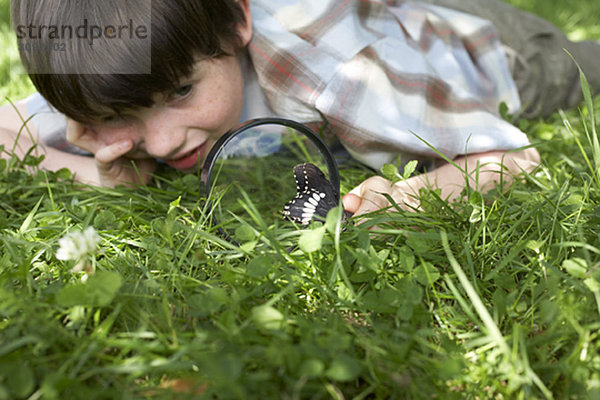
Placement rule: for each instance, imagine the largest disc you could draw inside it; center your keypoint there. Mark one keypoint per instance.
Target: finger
(107, 155)
(357, 190)
(351, 202)
(372, 193)
(82, 136)
(371, 204)
(74, 130)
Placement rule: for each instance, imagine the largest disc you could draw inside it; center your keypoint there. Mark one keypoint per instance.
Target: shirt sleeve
(50, 125)
(389, 80)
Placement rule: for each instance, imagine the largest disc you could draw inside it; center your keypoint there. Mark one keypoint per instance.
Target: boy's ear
(245, 30)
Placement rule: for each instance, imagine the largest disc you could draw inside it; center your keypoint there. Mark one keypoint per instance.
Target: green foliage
(97, 291)
(14, 84)
(578, 18)
(392, 173)
(494, 296)
(497, 296)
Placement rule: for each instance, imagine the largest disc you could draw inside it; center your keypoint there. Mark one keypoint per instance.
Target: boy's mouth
(190, 159)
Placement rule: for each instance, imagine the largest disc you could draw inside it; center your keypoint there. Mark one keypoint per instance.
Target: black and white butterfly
(315, 197)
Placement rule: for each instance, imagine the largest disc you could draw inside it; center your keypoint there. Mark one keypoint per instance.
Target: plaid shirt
(382, 77)
(386, 76)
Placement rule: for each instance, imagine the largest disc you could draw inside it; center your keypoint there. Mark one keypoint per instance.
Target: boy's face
(182, 126)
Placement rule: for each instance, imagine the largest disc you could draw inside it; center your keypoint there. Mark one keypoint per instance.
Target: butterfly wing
(315, 197)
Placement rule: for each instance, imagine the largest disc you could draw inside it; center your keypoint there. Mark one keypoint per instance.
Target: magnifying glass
(268, 171)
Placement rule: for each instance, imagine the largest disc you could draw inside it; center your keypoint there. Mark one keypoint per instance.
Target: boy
(367, 72)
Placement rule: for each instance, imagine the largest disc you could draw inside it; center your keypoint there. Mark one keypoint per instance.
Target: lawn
(497, 296)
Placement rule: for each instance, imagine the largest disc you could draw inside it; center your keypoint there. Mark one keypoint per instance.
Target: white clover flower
(75, 246)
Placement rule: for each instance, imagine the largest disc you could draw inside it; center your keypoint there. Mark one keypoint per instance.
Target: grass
(13, 83)
(494, 297)
(578, 18)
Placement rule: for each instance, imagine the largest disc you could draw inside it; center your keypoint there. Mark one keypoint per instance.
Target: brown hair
(180, 32)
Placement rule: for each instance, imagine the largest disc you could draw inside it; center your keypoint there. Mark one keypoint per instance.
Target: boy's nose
(163, 139)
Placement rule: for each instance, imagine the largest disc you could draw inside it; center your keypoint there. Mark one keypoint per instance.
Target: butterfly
(315, 197)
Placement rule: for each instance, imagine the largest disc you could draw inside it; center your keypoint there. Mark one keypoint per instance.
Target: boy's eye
(181, 91)
(117, 119)
(110, 118)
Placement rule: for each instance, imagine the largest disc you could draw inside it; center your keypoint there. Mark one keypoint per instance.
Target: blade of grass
(487, 319)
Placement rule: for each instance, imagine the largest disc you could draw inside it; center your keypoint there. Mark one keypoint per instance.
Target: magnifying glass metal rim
(220, 144)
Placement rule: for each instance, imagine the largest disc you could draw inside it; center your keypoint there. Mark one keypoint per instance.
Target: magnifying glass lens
(252, 177)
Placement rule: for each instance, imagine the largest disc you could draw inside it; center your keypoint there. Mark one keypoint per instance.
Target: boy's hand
(484, 171)
(112, 167)
(369, 196)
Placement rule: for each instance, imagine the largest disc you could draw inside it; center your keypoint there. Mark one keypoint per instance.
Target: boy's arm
(485, 171)
(10, 126)
(108, 167)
